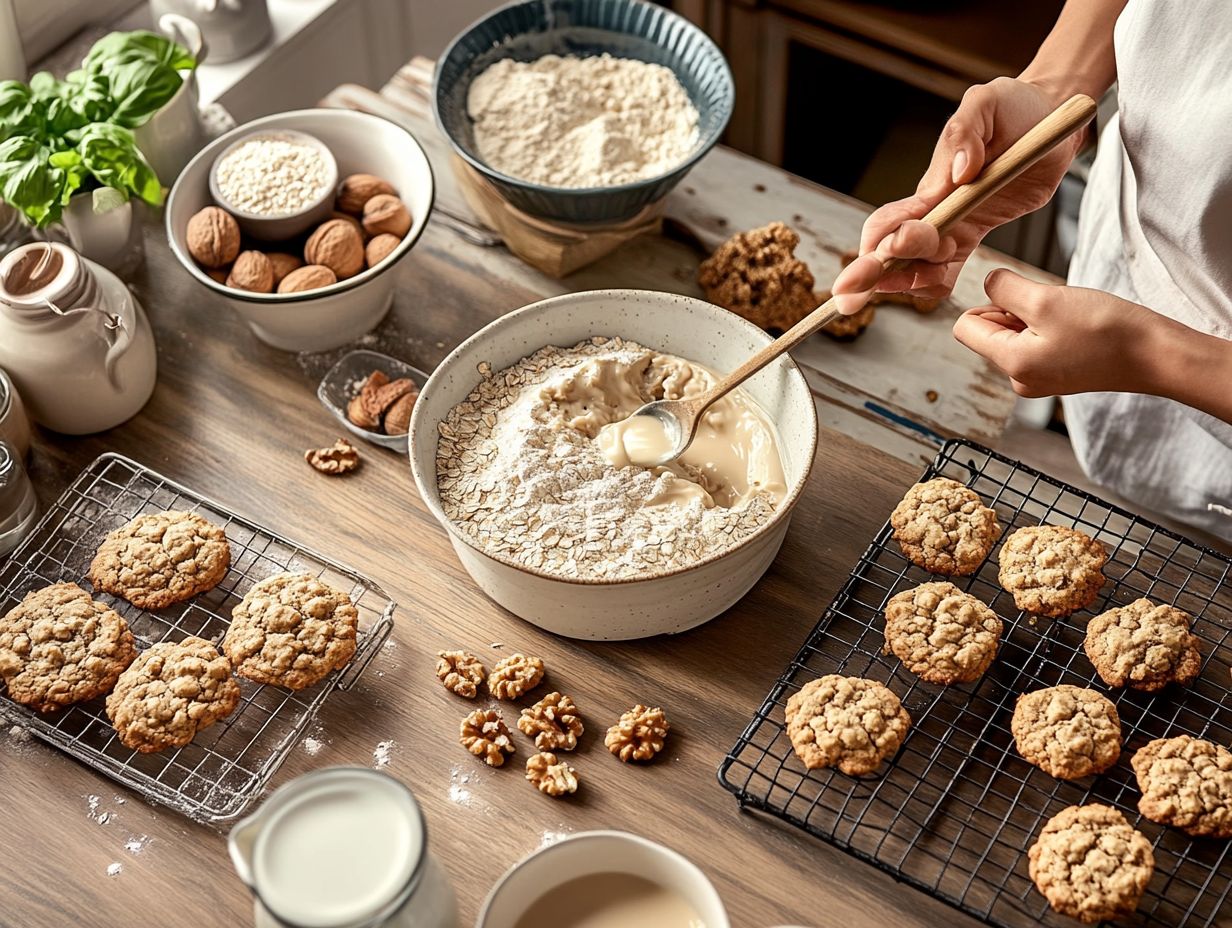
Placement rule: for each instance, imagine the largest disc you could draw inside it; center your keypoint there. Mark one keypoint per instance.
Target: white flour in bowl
(519, 472)
(581, 122)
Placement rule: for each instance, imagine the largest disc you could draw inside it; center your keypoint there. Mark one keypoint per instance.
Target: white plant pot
(112, 238)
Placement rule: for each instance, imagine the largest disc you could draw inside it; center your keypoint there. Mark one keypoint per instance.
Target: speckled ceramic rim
(703, 145)
(431, 494)
(307, 138)
(274, 124)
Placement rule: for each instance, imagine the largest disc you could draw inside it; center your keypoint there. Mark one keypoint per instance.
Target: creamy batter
(610, 900)
(522, 471)
(733, 457)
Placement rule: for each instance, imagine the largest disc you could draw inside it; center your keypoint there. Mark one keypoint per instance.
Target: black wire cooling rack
(955, 810)
(215, 777)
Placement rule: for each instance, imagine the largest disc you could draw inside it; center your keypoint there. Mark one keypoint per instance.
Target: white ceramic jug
(344, 847)
(74, 340)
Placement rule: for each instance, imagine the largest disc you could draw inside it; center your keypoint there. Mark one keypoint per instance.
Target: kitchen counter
(231, 418)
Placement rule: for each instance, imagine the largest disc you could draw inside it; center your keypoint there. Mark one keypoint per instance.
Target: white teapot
(74, 340)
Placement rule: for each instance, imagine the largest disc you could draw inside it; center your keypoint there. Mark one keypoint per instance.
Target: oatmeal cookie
(847, 328)
(1186, 783)
(169, 693)
(291, 630)
(1144, 646)
(58, 647)
(846, 722)
(1052, 570)
(161, 558)
(944, 527)
(942, 634)
(1090, 863)
(1069, 732)
(757, 275)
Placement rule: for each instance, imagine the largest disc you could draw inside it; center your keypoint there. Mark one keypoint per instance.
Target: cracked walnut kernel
(554, 722)
(556, 778)
(485, 735)
(639, 734)
(515, 675)
(460, 672)
(339, 458)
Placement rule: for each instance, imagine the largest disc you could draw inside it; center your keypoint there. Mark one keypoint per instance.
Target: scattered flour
(458, 790)
(114, 869)
(136, 843)
(597, 121)
(382, 753)
(313, 746)
(19, 734)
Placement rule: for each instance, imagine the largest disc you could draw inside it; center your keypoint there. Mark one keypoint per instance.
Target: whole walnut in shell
(213, 237)
(358, 189)
(283, 264)
(386, 213)
(380, 248)
(252, 271)
(309, 277)
(756, 275)
(336, 245)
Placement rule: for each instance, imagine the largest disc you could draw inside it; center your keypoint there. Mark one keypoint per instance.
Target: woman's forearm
(1077, 56)
(1193, 368)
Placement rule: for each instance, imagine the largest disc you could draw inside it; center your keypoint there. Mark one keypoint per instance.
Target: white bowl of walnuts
(334, 281)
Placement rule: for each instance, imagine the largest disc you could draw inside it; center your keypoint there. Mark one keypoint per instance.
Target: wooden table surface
(231, 418)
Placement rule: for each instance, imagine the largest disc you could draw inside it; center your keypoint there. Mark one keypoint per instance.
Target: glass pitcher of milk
(344, 847)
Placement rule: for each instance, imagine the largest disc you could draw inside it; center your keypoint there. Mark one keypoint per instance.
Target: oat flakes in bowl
(679, 592)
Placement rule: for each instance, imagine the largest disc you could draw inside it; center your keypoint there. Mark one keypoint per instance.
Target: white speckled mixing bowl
(670, 601)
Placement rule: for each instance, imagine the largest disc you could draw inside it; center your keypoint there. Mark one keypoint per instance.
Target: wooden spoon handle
(1058, 125)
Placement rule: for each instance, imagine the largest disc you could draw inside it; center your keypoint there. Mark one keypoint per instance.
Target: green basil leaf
(140, 89)
(18, 112)
(111, 156)
(119, 48)
(29, 181)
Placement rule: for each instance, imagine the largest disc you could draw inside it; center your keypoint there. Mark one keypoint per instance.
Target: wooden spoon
(677, 419)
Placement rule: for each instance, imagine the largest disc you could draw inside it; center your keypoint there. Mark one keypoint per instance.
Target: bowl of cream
(604, 879)
(513, 450)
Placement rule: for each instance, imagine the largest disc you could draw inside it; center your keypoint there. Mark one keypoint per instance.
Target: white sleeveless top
(1156, 228)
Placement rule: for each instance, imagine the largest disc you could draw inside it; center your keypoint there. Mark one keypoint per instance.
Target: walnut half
(639, 734)
(460, 671)
(515, 675)
(339, 458)
(485, 735)
(554, 722)
(556, 778)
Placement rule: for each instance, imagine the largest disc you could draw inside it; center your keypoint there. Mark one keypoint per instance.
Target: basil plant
(58, 137)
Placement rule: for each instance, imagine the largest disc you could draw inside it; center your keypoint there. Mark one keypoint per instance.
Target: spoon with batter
(659, 432)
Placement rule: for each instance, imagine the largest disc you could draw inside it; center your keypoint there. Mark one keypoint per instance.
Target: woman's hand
(991, 118)
(1052, 340)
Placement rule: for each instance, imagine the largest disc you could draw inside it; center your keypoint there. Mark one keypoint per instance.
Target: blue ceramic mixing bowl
(529, 30)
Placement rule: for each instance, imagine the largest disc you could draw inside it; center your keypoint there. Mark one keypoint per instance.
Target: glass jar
(293, 851)
(14, 426)
(18, 504)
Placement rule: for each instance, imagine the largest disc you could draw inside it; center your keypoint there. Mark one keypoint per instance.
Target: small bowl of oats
(276, 183)
(510, 450)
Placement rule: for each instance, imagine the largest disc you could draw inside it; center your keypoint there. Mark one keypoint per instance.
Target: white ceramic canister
(74, 340)
(344, 847)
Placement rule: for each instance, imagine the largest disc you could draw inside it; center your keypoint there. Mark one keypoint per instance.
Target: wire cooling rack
(955, 810)
(215, 777)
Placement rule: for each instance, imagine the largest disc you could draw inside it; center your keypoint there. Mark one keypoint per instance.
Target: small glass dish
(342, 382)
